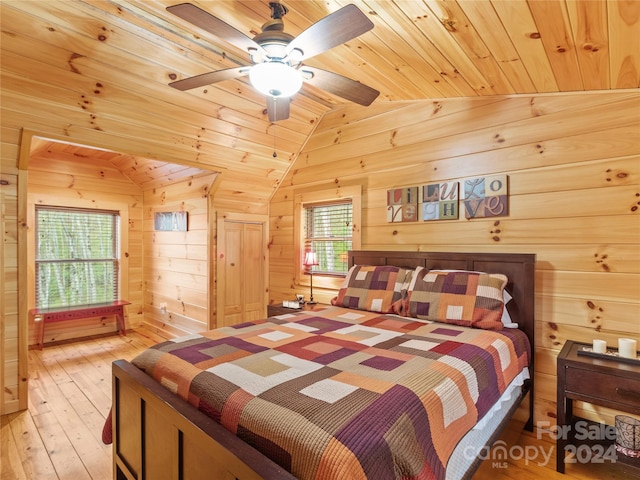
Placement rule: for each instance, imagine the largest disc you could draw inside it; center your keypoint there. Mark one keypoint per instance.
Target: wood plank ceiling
(78, 69)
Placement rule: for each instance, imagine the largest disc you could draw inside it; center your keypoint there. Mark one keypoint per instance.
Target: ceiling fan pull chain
(275, 116)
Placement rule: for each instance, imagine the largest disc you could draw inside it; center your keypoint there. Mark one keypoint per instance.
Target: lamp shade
(310, 259)
(276, 79)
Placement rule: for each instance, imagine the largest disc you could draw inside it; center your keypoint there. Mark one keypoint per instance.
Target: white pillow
(506, 318)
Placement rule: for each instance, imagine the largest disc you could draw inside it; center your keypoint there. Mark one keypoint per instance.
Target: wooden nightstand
(278, 309)
(604, 382)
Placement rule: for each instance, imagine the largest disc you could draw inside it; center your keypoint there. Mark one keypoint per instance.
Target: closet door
(233, 271)
(242, 280)
(254, 272)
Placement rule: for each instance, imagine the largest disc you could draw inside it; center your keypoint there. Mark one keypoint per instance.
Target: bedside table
(604, 382)
(277, 309)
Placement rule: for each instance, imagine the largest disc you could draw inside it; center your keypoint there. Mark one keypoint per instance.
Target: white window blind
(328, 232)
(76, 256)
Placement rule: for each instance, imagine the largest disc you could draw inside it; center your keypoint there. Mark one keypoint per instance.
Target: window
(327, 231)
(327, 221)
(76, 256)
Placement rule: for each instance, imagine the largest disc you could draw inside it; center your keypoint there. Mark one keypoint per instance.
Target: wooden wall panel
(573, 163)
(90, 184)
(177, 264)
(9, 332)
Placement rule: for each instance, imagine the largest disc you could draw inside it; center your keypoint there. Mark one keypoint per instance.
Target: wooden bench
(40, 316)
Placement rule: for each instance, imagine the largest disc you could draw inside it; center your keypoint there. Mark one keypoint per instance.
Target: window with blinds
(328, 230)
(76, 256)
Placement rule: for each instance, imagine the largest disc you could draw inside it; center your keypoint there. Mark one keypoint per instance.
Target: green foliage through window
(328, 232)
(76, 257)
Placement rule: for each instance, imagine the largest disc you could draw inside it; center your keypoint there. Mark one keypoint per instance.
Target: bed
(355, 420)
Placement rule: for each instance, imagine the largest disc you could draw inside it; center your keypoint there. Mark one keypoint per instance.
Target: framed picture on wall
(171, 221)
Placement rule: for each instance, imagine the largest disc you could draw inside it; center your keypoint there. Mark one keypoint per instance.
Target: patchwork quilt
(341, 393)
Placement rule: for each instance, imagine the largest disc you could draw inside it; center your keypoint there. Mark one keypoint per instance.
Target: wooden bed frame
(156, 435)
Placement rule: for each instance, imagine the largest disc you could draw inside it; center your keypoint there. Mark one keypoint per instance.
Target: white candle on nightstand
(600, 346)
(627, 347)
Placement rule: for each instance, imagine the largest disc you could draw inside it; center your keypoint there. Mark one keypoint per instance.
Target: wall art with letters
(485, 196)
(481, 197)
(402, 205)
(440, 201)
(170, 221)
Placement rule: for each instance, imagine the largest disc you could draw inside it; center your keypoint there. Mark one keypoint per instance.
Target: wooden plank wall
(169, 267)
(60, 180)
(177, 264)
(9, 368)
(573, 165)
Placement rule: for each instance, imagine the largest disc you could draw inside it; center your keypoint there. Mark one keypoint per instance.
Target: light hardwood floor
(59, 436)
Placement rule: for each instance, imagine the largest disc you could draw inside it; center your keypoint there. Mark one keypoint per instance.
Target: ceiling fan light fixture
(276, 79)
(277, 70)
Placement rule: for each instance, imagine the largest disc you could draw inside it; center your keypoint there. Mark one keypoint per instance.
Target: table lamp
(310, 259)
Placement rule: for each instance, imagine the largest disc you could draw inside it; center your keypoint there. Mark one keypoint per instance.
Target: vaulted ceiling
(97, 71)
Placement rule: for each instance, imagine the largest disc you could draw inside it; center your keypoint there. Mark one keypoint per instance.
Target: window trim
(354, 193)
(118, 249)
(313, 237)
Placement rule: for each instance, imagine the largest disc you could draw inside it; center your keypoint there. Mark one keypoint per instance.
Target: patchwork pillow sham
(373, 288)
(469, 299)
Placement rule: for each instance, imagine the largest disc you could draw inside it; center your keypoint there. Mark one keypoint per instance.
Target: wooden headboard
(518, 267)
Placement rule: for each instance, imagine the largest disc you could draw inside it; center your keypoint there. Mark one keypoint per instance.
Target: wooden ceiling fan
(276, 56)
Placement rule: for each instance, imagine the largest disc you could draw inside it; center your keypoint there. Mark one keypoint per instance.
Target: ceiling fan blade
(333, 30)
(338, 85)
(211, 24)
(209, 78)
(278, 108)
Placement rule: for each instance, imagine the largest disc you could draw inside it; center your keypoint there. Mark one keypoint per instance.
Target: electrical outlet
(163, 307)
